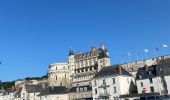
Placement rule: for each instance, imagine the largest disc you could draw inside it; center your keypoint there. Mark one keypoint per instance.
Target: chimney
(120, 69)
(157, 60)
(146, 67)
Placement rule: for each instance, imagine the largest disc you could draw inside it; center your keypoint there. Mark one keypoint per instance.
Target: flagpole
(137, 56)
(165, 46)
(129, 57)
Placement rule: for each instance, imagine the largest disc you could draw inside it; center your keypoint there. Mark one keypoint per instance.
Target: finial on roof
(102, 46)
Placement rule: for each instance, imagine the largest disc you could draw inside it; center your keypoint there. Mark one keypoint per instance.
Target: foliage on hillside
(8, 85)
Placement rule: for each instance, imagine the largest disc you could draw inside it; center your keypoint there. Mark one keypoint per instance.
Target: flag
(156, 49)
(129, 54)
(146, 50)
(165, 46)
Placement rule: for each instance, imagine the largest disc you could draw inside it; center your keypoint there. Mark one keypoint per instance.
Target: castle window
(114, 89)
(95, 91)
(81, 89)
(90, 68)
(95, 83)
(114, 81)
(85, 88)
(56, 77)
(104, 81)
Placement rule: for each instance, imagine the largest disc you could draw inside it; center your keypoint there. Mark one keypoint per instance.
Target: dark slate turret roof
(54, 90)
(71, 52)
(111, 71)
(103, 54)
(34, 88)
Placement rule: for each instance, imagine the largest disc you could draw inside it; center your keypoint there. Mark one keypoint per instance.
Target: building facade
(58, 74)
(86, 65)
(111, 82)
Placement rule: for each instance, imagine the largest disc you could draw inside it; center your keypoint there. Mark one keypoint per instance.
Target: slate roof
(146, 72)
(54, 90)
(110, 71)
(33, 88)
(18, 93)
(163, 68)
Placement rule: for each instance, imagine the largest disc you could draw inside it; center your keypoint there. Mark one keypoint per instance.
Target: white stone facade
(58, 74)
(113, 87)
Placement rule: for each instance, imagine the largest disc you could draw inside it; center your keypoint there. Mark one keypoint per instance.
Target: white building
(132, 67)
(54, 93)
(86, 65)
(155, 78)
(30, 92)
(58, 74)
(111, 82)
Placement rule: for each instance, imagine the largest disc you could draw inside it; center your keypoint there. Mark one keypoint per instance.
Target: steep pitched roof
(162, 68)
(54, 90)
(146, 72)
(33, 88)
(111, 71)
(103, 54)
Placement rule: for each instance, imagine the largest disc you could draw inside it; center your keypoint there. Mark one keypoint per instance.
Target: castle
(77, 72)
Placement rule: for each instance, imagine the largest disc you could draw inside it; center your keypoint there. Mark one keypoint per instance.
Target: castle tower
(71, 62)
(103, 58)
(58, 74)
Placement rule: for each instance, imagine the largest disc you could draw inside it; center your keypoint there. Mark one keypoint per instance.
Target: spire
(71, 52)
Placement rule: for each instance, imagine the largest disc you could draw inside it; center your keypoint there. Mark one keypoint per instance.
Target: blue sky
(35, 33)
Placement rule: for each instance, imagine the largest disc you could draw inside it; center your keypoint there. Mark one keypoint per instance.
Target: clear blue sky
(35, 33)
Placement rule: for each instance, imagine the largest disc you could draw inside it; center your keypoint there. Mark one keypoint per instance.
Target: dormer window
(140, 77)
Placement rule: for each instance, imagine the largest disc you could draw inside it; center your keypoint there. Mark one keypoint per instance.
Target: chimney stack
(157, 60)
(146, 67)
(120, 69)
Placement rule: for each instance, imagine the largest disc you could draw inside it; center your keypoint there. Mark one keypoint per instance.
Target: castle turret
(71, 61)
(103, 58)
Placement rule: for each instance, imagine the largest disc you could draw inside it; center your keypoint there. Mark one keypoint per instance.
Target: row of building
(90, 76)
